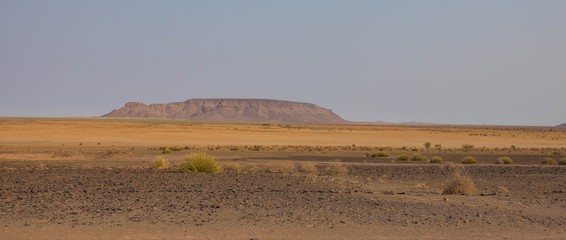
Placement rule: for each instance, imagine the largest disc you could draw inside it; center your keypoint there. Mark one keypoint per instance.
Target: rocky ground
(372, 201)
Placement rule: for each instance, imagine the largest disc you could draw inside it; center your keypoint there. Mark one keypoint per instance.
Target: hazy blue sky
(464, 62)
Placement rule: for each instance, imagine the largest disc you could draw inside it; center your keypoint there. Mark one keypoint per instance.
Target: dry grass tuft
(562, 161)
(549, 161)
(504, 160)
(419, 158)
(199, 162)
(283, 167)
(307, 167)
(403, 157)
(459, 184)
(469, 160)
(160, 163)
(232, 167)
(380, 154)
(166, 151)
(436, 159)
(336, 169)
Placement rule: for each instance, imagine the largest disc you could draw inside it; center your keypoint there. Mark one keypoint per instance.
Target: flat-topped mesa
(231, 110)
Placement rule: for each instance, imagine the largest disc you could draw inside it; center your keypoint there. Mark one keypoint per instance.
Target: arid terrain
(92, 178)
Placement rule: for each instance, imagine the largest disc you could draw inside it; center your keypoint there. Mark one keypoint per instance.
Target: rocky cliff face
(231, 110)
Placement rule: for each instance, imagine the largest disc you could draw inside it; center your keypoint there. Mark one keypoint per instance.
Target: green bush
(549, 161)
(469, 160)
(427, 145)
(380, 154)
(403, 157)
(199, 162)
(419, 158)
(562, 161)
(166, 151)
(504, 160)
(436, 159)
(160, 163)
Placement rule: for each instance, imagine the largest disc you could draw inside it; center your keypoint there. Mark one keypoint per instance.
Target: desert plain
(92, 178)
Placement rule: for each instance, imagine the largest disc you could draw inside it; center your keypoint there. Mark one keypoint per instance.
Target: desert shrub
(458, 184)
(367, 154)
(380, 154)
(427, 145)
(166, 151)
(307, 167)
(469, 160)
(160, 163)
(258, 148)
(549, 161)
(467, 147)
(562, 161)
(336, 169)
(199, 162)
(436, 159)
(419, 158)
(232, 167)
(176, 149)
(403, 157)
(504, 160)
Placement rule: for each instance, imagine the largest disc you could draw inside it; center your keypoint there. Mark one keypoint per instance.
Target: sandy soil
(122, 133)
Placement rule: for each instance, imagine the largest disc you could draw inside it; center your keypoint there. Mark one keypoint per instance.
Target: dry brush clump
(436, 159)
(307, 167)
(459, 184)
(469, 160)
(336, 169)
(562, 161)
(160, 163)
(199, 162)
(380, 154)
(419, 158)
(549, 161)
(504, 160)
(403, 157)
(232, 167)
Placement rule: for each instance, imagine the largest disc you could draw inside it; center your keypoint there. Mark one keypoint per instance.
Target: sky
(448, 62)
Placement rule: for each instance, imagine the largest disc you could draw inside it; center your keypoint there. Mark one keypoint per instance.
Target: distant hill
(562, 125)
(231, 110)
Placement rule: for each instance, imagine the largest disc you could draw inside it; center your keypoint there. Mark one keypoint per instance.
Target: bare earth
(57, 181)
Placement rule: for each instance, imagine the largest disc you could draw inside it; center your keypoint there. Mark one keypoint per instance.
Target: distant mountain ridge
(561, 125)
(231, 110)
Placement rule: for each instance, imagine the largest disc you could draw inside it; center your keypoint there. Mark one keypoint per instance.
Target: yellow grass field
(120, 133)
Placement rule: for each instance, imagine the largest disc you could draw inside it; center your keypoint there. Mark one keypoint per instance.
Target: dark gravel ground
(370, 195)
